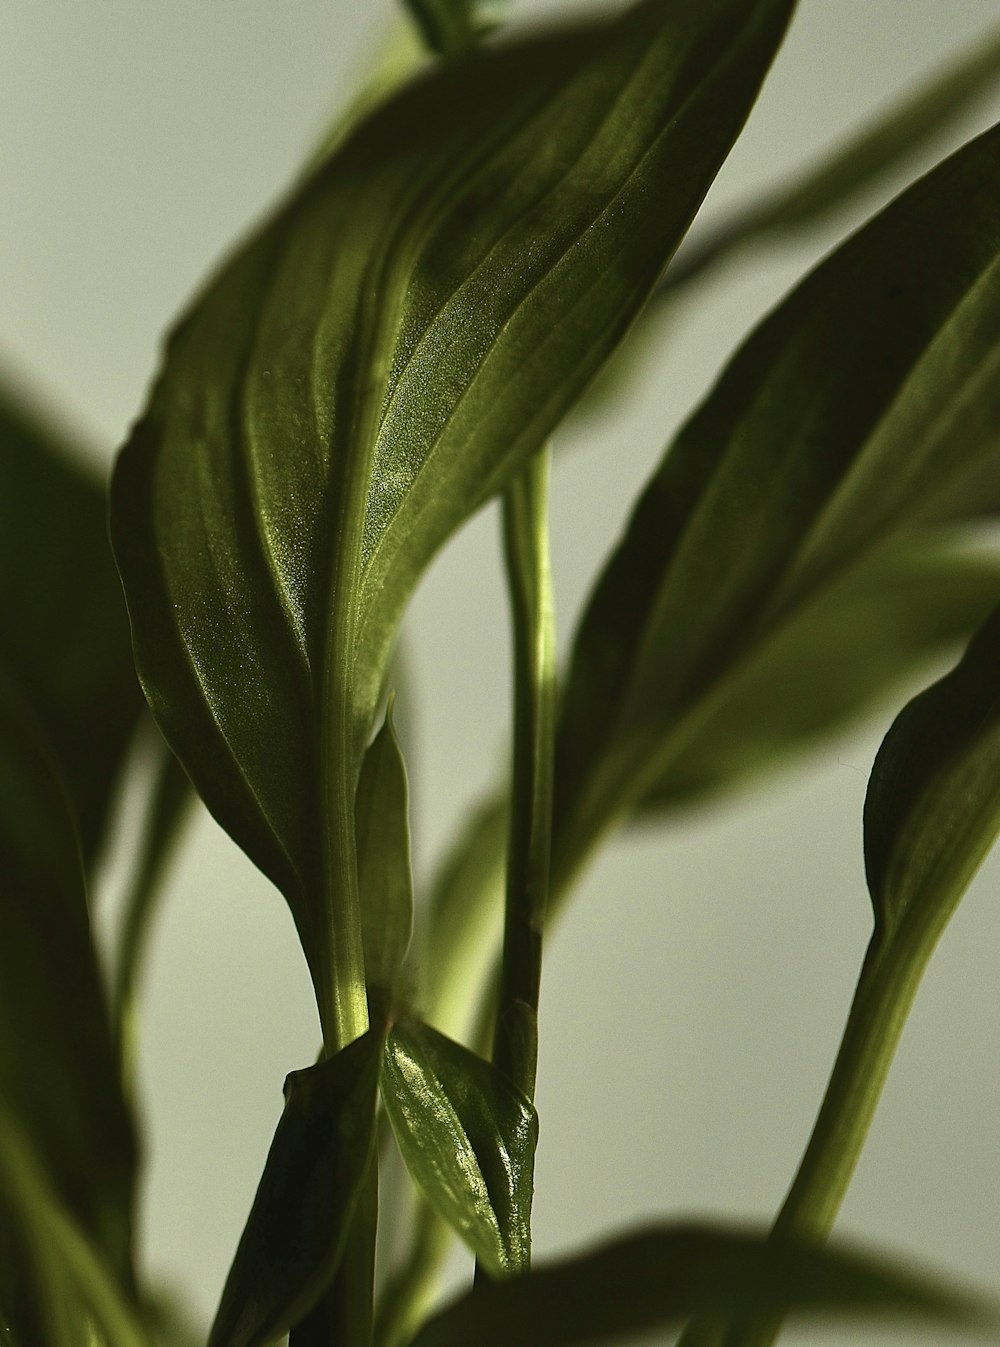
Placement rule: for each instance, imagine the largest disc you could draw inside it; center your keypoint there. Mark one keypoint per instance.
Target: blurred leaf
(468, 1138)
(657, 1278)
(375, 364)
(859, 163)
(866, 403)
(451, 27)
(933, 805)
(63, 629)
(58, 1068)
(385, 879)
(75, 1296)
(294, 1237)
(835, 660)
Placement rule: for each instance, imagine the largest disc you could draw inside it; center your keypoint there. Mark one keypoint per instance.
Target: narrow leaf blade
(656, 1279)
(385, 876)
(316, 1167)
(468, 1138)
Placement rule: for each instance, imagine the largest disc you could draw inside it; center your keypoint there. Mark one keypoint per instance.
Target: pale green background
(694, 997)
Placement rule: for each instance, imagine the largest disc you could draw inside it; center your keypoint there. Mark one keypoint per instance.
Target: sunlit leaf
(933, 805)
(468, 1138)
(867, 403)
(385, 878)
(316, 1167)
(836, 660)
(657, 1278)
(58, 1068)
(63, 628)
(372, 367)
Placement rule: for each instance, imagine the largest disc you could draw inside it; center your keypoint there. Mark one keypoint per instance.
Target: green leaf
(294, 1237)
(654, 1279)
(869, 402)
(58, 1068)
(374, 365)
(468, 1138)
(933, 806)
(859, 163)
(453, 26)
(385, 877)
(63, 629)
(835, 660)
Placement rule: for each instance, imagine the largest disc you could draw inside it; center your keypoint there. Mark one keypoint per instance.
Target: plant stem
(526, 548)
(406, 1296)
(889, 978)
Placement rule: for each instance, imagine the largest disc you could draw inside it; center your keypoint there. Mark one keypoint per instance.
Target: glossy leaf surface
(373, 366)
(656, 1279)
(933, 806)
(468, 1138)
(316, 1167)
(385, 878)
(59, 1076)
(868, 402)
(63, 628)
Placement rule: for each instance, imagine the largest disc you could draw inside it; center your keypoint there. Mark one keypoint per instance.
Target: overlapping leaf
(468, 1138)
(385, 878)
(59, 1079)
(656, 1279)
(373, 365)
(933, 806)
(63, 628)
(867, 403)
(316, 1168)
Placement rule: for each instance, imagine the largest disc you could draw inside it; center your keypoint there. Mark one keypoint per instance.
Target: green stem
(407, 1295)
(886, 987)
(526, 546)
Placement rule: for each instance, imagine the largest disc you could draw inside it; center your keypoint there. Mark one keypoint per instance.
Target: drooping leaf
(933, 806)
(59, 1077)
(867, 403)
(468, 1138)
(453, 26)
(860, 162)
(63, 628)
(835, 660)
(374, 365)
(657, 1278)
(385, 877)
(316, 1167)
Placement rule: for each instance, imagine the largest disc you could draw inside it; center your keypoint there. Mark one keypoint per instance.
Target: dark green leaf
(933, 805)
(372, 367)
(856, 165)
(468, 1138)
(836, 660)
(385, 879)
(867, 403)
(655, 1279)
(58, 1068)
(452, 26)
(316, 1168)
(63, 629)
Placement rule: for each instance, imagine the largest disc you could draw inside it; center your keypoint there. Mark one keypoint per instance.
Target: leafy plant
(396, 345)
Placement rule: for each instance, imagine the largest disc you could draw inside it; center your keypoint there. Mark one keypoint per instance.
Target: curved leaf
(468, 1138)
(374, 365)
(385, 877)
(933, 806)
(316, 1167)
(59, 1078)
(63, 628)
(867, 403)
(655, 1279)
(856, 165)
